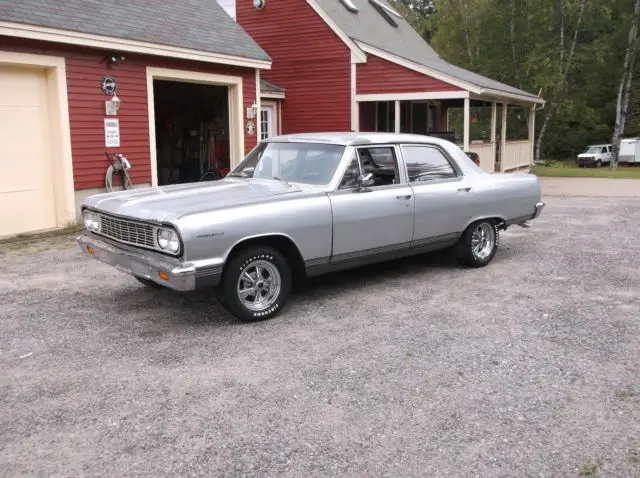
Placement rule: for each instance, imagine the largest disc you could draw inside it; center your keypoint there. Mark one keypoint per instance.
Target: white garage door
(27, 198)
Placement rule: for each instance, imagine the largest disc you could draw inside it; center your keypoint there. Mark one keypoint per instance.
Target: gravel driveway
(529, 367)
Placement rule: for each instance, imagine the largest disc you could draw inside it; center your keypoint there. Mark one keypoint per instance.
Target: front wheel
(478, 244)
(598, 163)
(256, 283)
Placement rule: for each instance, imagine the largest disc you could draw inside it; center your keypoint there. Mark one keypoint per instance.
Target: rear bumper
(539, 207)
(176, 275)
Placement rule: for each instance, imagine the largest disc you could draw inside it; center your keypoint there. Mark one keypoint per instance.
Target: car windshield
(306, 163)
(593, 150)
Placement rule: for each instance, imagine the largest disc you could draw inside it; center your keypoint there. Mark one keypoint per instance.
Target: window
(306, 163)
(604, 149)
(386, 11)
(426, 163)
(266, 122)
(350, 178)
(379, 161)
(350, 6)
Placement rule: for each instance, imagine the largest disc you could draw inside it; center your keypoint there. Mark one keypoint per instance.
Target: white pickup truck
(595, 155)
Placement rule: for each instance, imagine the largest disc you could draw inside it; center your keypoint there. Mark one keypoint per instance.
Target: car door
(443, 196)
(378, 218)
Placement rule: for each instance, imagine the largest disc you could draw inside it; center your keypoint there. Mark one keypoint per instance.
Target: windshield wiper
(238, 175)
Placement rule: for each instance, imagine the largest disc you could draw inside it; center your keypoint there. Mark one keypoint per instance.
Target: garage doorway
(192, 130)
(195, 124)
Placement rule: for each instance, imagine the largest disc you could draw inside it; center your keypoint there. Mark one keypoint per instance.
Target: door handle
(466, 190)
(406, 196)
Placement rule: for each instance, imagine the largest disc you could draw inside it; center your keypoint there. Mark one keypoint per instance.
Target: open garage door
(27, 195)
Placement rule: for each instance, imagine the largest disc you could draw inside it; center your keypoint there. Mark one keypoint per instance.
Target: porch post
(532, 130)
(396, 116)
(494, 121)
(467, 111)
(503, 136)
(494, 114)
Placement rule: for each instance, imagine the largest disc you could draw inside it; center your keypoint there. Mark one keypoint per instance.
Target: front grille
(129, 232)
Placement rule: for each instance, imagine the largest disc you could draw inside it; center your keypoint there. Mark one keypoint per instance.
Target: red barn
(180, 88)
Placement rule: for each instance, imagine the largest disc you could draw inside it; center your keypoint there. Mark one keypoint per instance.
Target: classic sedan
(303, 205)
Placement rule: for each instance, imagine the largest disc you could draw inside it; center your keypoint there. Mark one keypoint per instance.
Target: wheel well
(498, 221)
(281, 243)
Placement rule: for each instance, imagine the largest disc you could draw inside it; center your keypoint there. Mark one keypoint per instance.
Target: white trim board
(442, 76)
(236, 113)
(272, 95)
(121, 44)
(356, 52)
(430, 95)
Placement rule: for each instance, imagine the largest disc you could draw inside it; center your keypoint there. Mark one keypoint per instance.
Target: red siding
(85, 69)
(309, 61)
(381, 76)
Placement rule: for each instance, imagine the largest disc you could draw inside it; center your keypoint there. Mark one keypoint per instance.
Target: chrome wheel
(483, 240)
(259, 285)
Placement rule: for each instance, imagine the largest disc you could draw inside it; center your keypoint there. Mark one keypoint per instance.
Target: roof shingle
(369, 27)
(201, 25)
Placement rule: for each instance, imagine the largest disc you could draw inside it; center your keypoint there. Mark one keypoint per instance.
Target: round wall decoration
(251, 128)
(108, 85)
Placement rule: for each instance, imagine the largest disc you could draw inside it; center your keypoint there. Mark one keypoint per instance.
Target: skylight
(386, 7)
(350, 6)
(386, 11)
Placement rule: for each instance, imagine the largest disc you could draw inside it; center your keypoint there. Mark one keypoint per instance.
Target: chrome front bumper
(148, 265)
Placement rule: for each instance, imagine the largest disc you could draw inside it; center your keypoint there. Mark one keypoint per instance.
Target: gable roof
(196, 25)
(369, 27)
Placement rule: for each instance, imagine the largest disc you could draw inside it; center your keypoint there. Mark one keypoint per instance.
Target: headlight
(168, 240)
(91, 221)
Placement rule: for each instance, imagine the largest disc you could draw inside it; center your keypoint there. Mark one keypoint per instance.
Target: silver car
(303, 205)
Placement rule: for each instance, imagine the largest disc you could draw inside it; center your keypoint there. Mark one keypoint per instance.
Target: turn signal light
(163, 275)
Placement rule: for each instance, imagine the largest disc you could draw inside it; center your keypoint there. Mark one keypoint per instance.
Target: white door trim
(60, 128)
(270, 109)
(236, 126)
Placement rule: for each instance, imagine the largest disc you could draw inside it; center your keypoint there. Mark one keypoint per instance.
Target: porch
(499, 130)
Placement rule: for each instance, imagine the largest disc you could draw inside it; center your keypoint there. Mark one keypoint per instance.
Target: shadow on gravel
(200, 308)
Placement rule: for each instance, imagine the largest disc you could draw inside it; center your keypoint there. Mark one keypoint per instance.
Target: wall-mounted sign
(251, 113)
(108, 85)
(251, 128)
(112, 133)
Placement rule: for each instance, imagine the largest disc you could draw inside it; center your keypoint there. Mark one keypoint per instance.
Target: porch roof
(371, 31)
(266, 87)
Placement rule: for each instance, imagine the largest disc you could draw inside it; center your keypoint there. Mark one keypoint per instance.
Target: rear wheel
(478, 244)
(256, 283)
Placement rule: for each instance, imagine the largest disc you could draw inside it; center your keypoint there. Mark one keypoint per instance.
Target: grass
(569, 169)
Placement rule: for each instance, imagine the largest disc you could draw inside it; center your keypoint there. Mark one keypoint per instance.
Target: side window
(604, 149)
(381, 162)
(425, 163)
(350, 178)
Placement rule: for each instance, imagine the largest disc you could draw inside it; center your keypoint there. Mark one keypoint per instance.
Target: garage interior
(192, 130)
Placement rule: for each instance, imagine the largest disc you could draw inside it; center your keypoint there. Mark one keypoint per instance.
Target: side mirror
(365, 182)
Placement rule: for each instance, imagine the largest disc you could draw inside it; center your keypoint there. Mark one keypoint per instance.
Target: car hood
(589, 155)
(169, 203)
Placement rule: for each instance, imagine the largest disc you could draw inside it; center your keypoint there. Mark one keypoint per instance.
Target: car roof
(356, 139)
(598, 145)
